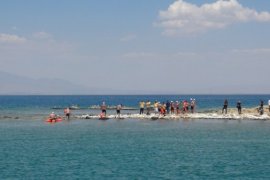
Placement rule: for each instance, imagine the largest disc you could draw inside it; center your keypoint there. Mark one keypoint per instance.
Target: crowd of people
(164, 108)
(169, 107)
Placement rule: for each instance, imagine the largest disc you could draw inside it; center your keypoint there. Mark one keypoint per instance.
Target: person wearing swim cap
(52, 116)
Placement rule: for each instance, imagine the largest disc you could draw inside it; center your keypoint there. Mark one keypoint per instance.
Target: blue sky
(184, 46)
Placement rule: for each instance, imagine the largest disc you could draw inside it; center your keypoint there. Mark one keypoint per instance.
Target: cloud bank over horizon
(185, 18)
(210, 46)
(11, 38)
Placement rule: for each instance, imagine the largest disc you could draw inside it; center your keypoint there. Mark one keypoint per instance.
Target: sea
(130, 148)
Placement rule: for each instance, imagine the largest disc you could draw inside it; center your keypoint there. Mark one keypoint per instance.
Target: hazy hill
(13, 84)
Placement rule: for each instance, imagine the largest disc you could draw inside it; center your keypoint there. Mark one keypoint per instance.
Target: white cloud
(40, 45)
(185, 18)
(11, 38)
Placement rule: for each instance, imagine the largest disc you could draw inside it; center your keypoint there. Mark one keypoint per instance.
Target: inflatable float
(50, 120)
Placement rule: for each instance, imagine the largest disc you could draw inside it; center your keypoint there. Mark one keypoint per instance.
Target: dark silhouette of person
(261, 107)
(225, 106)
(239, 107)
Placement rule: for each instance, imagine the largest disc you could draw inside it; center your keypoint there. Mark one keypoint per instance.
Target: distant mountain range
(13, 84)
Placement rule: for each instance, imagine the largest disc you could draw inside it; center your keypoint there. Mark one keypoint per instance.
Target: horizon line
(147, 94)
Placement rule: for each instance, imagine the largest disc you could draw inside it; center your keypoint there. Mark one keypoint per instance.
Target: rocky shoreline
(232, 114)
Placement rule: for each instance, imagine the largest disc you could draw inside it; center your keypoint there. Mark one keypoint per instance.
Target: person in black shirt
(225, 106)
(261, 107)
(239, 107)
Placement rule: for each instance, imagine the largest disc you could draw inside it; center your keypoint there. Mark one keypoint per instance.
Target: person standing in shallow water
(148, 107)
(261, 108)
(141, 107)
(168, 105)
(225, 106)
(67, 113)
(269, 104)
(239, 107)
(103, 108)
(118, 109)
(192, 105)
(156, 104)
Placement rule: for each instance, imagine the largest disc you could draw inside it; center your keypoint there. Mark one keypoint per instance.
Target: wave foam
(183, 116)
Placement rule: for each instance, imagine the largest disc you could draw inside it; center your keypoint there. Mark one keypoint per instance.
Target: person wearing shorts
(103, 108)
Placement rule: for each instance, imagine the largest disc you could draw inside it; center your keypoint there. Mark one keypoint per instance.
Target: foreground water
(132, 149)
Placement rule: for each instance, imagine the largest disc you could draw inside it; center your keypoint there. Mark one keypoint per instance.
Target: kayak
(54, 120)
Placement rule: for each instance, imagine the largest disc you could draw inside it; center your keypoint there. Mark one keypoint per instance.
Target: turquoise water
(203, 101)
(38, 107)
(130, 148)
(135, 149)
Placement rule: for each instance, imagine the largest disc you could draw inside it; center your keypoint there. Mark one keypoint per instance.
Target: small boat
(50, 120)
(57, 107)
(74, 107)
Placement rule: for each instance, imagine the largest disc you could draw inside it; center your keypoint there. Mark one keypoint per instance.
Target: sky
(144, 47)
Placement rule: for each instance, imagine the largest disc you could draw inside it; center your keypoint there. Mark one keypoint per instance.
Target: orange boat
(50, 120)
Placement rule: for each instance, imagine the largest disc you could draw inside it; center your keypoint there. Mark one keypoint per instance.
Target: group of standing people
(226, 104)
(239, 107)
(169, 107)
(103, 108)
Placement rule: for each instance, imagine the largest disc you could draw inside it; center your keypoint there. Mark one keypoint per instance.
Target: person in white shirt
(269, 104)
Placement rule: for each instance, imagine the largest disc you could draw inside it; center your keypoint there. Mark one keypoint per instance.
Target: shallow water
(38, 107)
(132, 149)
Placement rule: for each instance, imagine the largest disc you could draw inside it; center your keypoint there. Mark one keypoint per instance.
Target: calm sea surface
(20, 106)
(131, 148)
